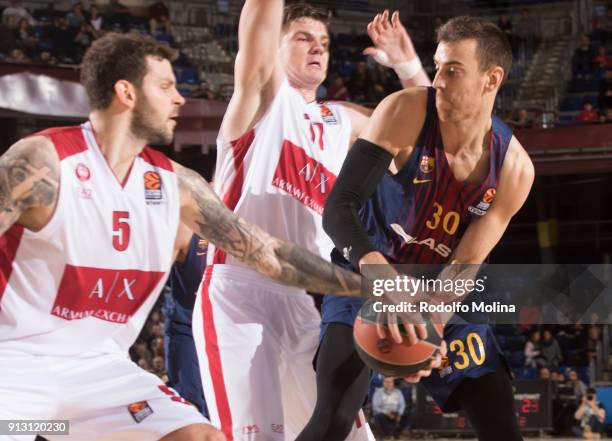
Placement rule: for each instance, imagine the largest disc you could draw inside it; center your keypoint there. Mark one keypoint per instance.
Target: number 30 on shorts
(475, 351)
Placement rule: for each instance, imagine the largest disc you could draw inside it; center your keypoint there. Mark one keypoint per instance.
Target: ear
(126, 94)
(495, 77)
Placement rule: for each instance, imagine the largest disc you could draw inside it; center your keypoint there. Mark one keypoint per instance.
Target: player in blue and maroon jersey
(181, 357)
(460, 177)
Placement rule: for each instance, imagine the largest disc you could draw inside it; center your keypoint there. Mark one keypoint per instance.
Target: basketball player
(461, 176)
(181, 357)
(88, 221)
(278, 154)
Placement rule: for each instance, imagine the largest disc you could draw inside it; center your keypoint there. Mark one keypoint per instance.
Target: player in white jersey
(88, 221)
(278, 154)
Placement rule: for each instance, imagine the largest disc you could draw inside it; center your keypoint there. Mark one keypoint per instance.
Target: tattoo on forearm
(29, 177)
(282, 261)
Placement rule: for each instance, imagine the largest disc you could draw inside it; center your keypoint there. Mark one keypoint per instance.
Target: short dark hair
(117, 57)
(493, 47)
(304, 10)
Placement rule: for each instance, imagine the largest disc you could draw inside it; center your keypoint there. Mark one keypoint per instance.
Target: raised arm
(29, 183)
(392, 48)
(257, 73)
(284, 262)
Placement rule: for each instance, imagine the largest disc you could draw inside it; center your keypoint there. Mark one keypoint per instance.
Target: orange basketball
(388, 357)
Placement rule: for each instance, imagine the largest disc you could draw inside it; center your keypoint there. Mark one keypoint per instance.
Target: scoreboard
(532, 401)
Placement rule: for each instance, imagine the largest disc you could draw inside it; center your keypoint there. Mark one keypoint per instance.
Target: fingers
(384, 20)
(395, 20)
(394, 328)
(421, 331)
(443, 348)
(411, 334)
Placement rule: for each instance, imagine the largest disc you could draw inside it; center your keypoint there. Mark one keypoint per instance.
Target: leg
(238, 351)
(384, 423)
(491, 423)
(342, 385)
(195, 432)
(182, 365)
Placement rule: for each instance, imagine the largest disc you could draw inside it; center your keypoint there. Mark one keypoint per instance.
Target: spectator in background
(96, 20)
(159, 16)
(388, 405)
(144, 364)
(505, 25)
(575, 384)
(384, 77)
(526, 31)
(587, 115)
(602, 59)
(204, 91)
(359, 83)
(582, 61)
(76, 17)
(63, 36)
(17, 11)
(523, 121)
(83, 39)
(607, 117)
(545, 373)
(46, 58)
(17, 56)
(590, 415)
(118, 14)
(337, 91)
(24, 37)
(593, 340)
(533, 358)
(7, 37)
(605, 91)
(550, 350)
(158, 366)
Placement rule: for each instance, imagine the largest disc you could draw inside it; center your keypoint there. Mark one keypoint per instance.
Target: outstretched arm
(29, 183)
(393, 48)
(282, 261)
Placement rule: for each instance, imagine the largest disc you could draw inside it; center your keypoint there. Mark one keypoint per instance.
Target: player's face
(459, 81)
(157, 104)
(304, 52)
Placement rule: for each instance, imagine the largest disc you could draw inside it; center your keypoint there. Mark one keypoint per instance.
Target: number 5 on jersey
(121, 230)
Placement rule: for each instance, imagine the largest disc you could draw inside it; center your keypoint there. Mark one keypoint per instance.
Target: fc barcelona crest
(427, 164)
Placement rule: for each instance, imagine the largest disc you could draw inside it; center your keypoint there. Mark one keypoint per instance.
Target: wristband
(405, 70)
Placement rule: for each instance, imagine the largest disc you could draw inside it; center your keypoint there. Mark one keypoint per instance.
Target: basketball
(388, 357)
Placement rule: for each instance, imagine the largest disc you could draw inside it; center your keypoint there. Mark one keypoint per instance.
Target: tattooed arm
(282, 261)
(29, 183)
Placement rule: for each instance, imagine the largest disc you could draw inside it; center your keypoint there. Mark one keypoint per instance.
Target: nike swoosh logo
(420, 181)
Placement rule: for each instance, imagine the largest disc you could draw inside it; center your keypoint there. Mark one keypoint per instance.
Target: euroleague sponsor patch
(327, 115)
(152, 187)
(140, 410)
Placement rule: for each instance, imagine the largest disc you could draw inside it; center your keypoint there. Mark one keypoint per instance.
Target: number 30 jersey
(87, 281)
(420, 214)
(278, 175)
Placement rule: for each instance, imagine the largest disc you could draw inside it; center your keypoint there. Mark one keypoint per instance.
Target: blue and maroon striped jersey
(419, 214)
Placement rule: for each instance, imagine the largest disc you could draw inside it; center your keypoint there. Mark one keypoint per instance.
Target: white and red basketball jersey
(278, 175)
(87, 281)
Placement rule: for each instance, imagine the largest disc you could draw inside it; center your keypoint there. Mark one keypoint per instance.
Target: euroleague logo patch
(327, 116)
(140, 410)
(82, 172)
(152, 187)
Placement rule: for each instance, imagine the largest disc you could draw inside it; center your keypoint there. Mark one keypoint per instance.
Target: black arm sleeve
(363, 168)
